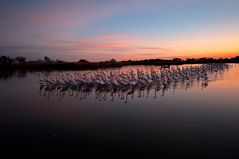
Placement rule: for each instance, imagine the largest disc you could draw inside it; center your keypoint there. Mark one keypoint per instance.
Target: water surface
(184, 119)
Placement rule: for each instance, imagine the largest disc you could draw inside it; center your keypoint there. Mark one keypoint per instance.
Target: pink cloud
(101, 42)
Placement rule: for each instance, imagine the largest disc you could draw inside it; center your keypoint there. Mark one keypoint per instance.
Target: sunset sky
(125, 29)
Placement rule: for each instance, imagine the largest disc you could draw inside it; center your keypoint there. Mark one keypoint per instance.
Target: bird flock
(124, 83)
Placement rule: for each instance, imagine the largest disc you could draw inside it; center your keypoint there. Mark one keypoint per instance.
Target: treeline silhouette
(21, 63)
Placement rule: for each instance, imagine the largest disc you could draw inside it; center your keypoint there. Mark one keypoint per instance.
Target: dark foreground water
(186, 119)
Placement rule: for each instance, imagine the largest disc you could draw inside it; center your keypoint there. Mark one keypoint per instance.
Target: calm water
(186, 119)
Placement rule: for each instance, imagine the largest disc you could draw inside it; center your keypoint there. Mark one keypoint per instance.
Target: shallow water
(184, 119)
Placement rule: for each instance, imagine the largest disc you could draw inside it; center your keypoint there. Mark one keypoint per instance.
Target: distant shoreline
(85, 65)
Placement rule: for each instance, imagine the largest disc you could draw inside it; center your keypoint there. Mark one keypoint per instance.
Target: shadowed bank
(20, 63)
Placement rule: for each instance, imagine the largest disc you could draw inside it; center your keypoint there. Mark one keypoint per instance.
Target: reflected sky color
(201, 121)
(119, 91)
(103, 29)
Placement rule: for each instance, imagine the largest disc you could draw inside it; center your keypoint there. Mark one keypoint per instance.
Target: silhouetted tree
(113, 60)
(191, 60)
(20, 59)
(83, 61)
(237, 58)
(6, 60)
(177, 60)
(47, 59)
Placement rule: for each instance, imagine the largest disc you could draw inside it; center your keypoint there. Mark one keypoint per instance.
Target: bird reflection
(116, 85)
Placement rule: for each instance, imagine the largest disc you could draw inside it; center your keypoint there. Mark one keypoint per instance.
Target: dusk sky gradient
(126, 29)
